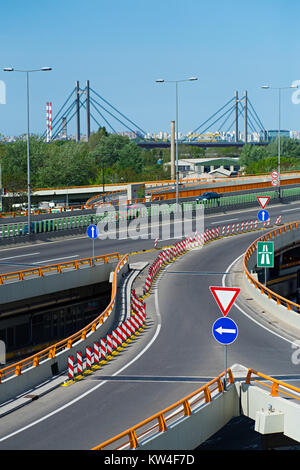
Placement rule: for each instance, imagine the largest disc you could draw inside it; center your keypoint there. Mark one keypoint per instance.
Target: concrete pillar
(245, 117)
(236, 116)
(88, 119)
(77, 98)
(172, 150)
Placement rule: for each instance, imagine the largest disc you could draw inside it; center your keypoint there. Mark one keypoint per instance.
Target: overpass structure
(154, 190)
(261, 357)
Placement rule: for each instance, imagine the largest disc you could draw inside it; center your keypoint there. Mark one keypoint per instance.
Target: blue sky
(123, 46)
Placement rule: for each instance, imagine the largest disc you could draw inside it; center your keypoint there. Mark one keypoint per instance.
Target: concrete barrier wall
(31, 377)
(190, 431)
(255, 399)
(49, 283)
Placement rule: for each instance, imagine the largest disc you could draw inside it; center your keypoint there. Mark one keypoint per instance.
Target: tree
(271, 163)
(251, 154)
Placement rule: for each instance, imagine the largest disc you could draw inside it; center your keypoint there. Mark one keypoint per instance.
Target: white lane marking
(20, 256)
(157, 331)
(56, 259)
(289, 210)
(42, 243)
(246, 314)
(223, 221)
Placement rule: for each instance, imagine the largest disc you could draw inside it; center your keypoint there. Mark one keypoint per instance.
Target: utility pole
(172, 150)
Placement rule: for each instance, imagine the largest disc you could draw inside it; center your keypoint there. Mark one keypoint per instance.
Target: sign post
(92, 232)
(265, 256)
(224, 329)
(263, 215)
(275, 178)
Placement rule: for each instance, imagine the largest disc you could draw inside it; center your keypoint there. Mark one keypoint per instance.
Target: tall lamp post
(27, 72)
(161, 80)
(267, 87)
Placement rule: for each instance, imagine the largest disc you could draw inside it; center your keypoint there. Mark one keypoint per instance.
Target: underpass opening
(29, 325)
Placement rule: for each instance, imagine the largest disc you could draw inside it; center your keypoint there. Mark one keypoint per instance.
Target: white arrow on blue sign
(92, 231)
(263, 216)
(225, 330)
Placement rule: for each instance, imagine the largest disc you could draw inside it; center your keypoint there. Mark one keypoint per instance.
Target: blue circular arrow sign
(92, 231)
(263, 215)
(225, 330)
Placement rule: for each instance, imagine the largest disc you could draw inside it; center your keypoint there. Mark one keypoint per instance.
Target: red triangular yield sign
(263, 200)
(225, 297)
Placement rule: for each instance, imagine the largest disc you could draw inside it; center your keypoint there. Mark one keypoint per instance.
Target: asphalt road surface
(174, 356)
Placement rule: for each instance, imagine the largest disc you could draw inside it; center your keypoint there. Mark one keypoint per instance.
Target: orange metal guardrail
(263, 289)
(275, 384)
(57, 268)
(158, 422)
(183, 407)
(224, 189)
(50, 352)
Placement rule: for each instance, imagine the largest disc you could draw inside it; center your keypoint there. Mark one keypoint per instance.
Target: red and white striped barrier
(88, 357)
(102, 348)
(96, 352)
(278, 220)
(123, 333)
(114, 339)
(79, 362)
(108, 345)
(71, 367)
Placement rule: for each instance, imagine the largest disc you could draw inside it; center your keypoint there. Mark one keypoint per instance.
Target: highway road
(28, 255)
(174, 356)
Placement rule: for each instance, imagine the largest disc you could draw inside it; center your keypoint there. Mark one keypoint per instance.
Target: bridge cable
(115, 109)
(213, 115)
(102, 107)
(262, 126)
(107, 122)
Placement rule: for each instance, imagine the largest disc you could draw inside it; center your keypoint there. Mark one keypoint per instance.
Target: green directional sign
(265, 254)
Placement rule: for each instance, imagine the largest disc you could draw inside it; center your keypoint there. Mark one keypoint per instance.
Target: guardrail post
(133, 440)
(274, 389)
(162, 425)
(187, 408)
(207, 394)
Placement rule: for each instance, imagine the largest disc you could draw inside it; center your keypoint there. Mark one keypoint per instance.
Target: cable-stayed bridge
(221, 128)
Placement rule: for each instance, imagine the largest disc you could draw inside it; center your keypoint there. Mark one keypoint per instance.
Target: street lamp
(161, 80)
(43, 69)
(267, 87)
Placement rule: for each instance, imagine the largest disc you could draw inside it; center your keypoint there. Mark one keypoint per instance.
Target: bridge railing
(56, 268)
(159, 421)
(276, 386)
(51, 351)
(258, 285)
